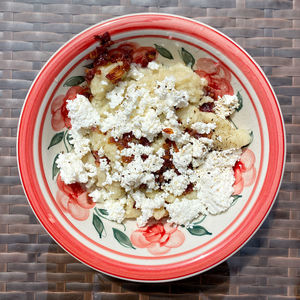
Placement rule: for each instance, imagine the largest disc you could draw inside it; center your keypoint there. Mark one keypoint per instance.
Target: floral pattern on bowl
(244, 171)
(73, 199)
(158, 238)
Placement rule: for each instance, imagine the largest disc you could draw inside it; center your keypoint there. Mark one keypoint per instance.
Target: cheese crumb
(115, 209)
(203, 128)
(226, 105)
(72, 169)
(100, 195)
(147, 205)
(152, 65)
(82, 113)
(183, 211)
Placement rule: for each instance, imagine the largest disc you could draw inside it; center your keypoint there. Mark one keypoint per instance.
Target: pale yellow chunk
(225, 136)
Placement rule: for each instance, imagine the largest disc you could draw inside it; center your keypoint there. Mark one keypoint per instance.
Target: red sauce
(116, 74)
(196, 135)
(188, 189)
(127, 138)
(125, 53)
(144, 157)
(127, 159)
(168, 161)
(122, 142)
(207, 107)
(168, 130)
(97, 158)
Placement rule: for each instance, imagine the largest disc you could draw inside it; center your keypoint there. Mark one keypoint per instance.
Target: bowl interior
(102, 244)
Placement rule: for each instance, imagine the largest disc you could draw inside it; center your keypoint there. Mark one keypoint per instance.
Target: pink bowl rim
(182, 269)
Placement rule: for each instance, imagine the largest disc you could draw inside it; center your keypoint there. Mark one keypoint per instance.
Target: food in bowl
(151, 140)
(121, 249)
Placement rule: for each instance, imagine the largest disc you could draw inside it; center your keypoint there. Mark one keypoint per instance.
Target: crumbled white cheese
(101, 152)
(195, 150)
(134, 174)
(136, 149)
(183, 211)
(134, 72)
(153, 163)
(116, 96)
(100, 195)
(177, 185)
(81, 144)
(226, 105)
(223, 159)
(72, 169)
(183, 158)
(104, 166)
(148, 125)
(169, 174)
(138, 171)
(172, 97)
(82, 113)
(147, 205)
(115, 209)
(152, 65)
(214, 180)
(203, 128)
(146, 113)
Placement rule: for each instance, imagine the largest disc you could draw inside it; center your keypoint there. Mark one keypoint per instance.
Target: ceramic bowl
(157, 252)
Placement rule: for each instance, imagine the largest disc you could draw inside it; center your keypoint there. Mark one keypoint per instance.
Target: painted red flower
(158, 238)
(217, 76)
(244, 171)
(59, 112)
(73, 199)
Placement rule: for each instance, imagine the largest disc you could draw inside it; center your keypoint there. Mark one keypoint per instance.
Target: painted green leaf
(198, 230)
(240, 98)
(69, 139)
(75, 80)
(231, 121)
(163, 51)
(55, 168)
(103, 211)
(122, 238)
(235, 198)
(251, 138)
(98, 224)
(57, 138)
(89, 66)
(187, 57)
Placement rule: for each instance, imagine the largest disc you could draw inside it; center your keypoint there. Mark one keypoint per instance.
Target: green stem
(101, 216)
(200, 221)
(64, 138)
(233, 123)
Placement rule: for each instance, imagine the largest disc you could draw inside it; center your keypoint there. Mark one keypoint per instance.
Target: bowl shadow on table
(214, 281)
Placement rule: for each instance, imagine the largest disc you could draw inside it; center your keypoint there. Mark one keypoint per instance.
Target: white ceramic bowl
(157, 252)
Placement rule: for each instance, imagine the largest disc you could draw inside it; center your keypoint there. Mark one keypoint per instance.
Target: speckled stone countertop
(33, 266)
